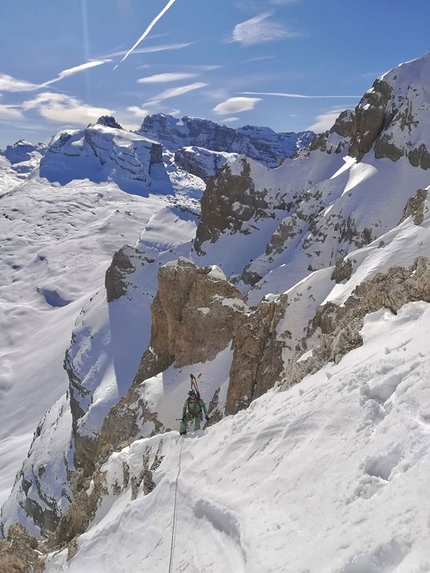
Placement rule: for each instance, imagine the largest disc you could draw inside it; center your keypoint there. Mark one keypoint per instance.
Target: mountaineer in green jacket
(194, 408)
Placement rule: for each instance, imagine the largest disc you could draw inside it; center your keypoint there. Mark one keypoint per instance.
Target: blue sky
(228, 61)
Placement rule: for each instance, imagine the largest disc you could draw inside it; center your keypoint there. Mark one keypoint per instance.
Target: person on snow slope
(194, 408)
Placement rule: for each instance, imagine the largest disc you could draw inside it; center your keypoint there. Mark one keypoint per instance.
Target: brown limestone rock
(415, 207)
(18, 553)
(193, 314)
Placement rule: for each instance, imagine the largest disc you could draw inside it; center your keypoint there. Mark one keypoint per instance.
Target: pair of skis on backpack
(193, 410)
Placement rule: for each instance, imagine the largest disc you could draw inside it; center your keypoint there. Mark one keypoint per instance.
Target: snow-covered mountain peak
(23, 155)
(106, 152)
(393, 116)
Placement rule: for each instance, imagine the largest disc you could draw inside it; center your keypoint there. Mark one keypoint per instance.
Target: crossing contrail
(148, 29)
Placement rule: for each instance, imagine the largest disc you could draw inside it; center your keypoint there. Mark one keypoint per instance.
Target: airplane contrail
(148, 29)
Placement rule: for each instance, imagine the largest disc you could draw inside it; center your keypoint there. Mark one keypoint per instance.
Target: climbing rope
(172, 542)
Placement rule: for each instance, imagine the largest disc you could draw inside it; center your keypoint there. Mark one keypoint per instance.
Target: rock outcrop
(229, 201)
(19, 552)
(339, 327)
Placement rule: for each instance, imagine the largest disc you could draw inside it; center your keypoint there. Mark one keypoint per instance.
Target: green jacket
(194, 408)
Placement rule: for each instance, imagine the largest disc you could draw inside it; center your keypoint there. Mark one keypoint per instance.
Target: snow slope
(330, 476)
(56, 243)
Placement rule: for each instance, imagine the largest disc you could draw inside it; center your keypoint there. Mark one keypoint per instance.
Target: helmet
(191, 394)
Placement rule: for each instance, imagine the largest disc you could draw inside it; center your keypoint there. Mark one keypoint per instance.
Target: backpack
(197, 410)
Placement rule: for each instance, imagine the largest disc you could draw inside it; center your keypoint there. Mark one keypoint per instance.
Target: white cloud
(62, 108)
(230, 120)
(326, 120)
(162, 78)
(10, 112)
(174, 92)
(302, 96)
(236, 105)
(258, 30)
(10, 84)
(138, 111)
(75, 70)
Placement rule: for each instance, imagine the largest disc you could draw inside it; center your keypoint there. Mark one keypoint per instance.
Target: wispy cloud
(230, 120)
(10, 84)
(168, 77)
(279, 2)
(148, 29)
(62, 108)
(259, 30)
(74, 70)
(174, 92)
(326, 120)
(10, 112)
(236, 105)
(151, 49)
(259, 59)
(303, 96)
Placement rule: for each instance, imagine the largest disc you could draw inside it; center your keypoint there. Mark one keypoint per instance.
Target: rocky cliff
(259, 143)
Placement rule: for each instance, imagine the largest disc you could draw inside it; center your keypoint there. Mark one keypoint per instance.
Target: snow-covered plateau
(299, 296)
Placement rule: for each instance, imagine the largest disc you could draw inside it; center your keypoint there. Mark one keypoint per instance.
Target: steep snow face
(259, 143)
(101, 153)
(339, 462)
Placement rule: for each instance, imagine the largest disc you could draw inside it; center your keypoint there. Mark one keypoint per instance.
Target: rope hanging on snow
(172, 542)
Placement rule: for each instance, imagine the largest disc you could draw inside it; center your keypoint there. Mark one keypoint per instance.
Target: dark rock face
(328, 142)
(342, 270)
(120, 267)
(371, 117)
(108, 121)
(217, 205)
(180, 330)
(257, 357)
